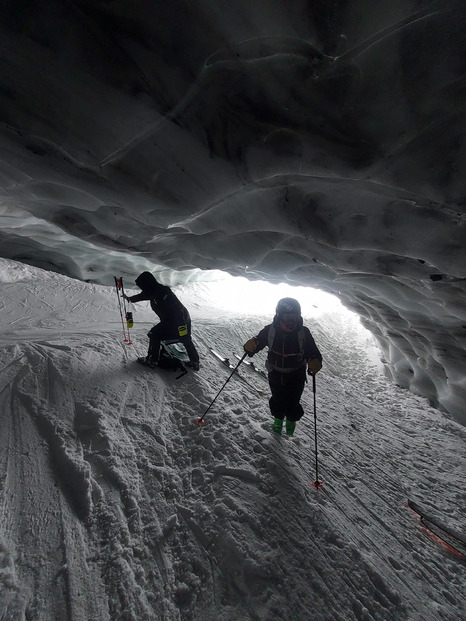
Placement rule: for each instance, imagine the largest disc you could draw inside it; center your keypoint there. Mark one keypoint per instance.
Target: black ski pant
(168, 331)
(286, 395)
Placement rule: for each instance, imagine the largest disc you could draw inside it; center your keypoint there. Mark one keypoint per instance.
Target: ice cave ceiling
(317, 142)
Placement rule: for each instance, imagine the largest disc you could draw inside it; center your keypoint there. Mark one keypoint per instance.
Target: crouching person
(175, 322)
(291, 350)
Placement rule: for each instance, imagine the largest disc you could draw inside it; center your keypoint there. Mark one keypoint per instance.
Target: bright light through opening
(259, 297)
(238, 296)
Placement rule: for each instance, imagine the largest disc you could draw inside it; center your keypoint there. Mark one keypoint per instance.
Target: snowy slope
(115, 505)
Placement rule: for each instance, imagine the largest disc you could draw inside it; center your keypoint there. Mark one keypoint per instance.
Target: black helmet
(288, 305)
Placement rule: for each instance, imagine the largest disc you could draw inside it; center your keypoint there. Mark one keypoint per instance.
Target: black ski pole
(317, 483)
(200, 419)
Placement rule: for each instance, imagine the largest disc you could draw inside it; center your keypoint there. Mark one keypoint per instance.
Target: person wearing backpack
(291, 349)
(175, 322)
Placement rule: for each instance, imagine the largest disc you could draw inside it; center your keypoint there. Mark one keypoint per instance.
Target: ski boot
(193, 365)
(277, 425)
(290, 427)
(147, 361)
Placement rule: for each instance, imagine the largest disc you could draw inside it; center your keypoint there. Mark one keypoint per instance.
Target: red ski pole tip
(200, 421)
(317, 484)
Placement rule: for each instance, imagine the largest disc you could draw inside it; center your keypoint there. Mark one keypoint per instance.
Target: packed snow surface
(116, 505)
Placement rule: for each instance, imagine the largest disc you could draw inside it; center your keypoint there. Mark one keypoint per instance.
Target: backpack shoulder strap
(302, 341)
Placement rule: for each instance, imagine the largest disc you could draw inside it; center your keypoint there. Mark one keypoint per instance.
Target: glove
(313, 366)
(250, 347)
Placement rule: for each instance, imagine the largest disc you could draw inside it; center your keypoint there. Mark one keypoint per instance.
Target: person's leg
(277, 406)
(189, 346)
(294, 410)
(190, 349)
(156, 334)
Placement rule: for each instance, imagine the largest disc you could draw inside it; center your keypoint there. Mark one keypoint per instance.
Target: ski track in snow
(116, 505)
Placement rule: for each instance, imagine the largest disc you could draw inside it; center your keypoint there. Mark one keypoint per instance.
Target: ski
(251, 365)
(230, 365)
(225, 361)
(453, 540)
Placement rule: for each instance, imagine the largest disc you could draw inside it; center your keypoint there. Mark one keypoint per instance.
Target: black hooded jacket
(162, 299)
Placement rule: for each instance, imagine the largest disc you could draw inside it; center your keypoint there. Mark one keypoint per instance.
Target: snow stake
(200, 419)
(317, 483)
(119, 287)
(129, 316)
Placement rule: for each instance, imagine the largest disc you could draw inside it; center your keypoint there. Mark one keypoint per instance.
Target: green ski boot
(290, 426)
(277, 425)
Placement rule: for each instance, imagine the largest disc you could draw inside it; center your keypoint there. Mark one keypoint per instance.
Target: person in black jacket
(291, 348)
(175, 322)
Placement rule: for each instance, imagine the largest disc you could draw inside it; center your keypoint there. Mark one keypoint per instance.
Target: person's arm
(139, 297)
(312, 354)
(252, 346)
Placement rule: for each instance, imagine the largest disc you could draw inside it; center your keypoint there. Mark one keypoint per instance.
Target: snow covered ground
(115, 505)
